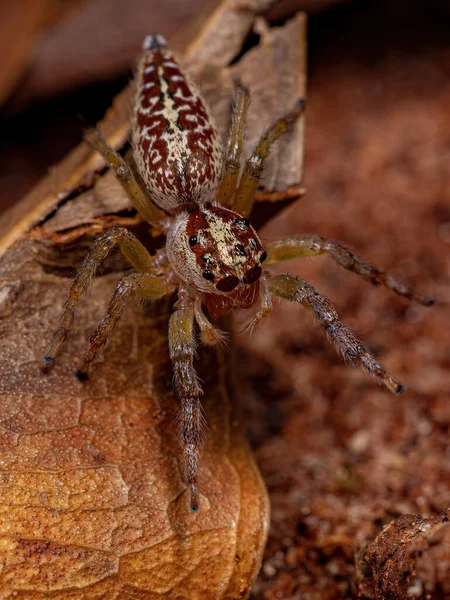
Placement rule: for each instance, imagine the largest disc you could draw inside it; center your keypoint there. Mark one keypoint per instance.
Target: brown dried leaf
(93, 504)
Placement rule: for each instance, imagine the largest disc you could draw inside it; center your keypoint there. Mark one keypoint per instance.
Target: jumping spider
(213, 256)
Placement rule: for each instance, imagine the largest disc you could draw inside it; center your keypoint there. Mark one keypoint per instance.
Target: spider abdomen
(176, 146)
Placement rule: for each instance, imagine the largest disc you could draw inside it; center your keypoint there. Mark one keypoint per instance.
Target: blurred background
(340, 456)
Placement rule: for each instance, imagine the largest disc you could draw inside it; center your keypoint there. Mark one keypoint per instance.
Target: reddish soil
(342, 457)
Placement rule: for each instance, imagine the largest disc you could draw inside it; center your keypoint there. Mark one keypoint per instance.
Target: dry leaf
(92, 496)
(93, 504)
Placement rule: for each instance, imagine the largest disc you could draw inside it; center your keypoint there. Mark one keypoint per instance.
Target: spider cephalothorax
(213, 257)
(215, 249)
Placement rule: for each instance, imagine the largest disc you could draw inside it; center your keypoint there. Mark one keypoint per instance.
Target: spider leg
(253, 169)
(132, 249)
(182, 351)
(124, 174)
(297, 290)
(234, 147)
(313, 245)
(210, 335)
(136, 284)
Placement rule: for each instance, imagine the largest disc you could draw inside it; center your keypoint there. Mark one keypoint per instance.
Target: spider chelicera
(213, 257)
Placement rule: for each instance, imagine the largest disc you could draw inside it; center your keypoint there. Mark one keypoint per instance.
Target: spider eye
(208, 275)
(227, 284)
(193, 240)
(252, 275)
(263, 256)
(242, 223)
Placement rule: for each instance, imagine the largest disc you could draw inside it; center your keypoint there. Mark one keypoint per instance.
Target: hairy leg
(133, 251)
(297, 290)
(313, 245)
(124, 174)
(182, 351)
(253, 169)
(234, 147)
(137, 284)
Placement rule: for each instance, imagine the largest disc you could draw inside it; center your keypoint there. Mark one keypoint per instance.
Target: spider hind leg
(253, 169)
(124, 174)
(234, 146)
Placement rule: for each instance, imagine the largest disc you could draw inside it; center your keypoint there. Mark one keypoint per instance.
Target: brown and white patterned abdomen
(176, 147)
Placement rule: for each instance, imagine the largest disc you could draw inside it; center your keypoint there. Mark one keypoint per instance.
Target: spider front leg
(133, 251)
(253, 169)
(124, 174)
(297, 290)
(182, 351)
(137, 284)
(234, 147)
(314, 245)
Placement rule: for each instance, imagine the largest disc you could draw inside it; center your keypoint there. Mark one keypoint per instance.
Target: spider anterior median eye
(252, 275)
(263, 257)
(227, 284)
(208, 275)
(193, 240)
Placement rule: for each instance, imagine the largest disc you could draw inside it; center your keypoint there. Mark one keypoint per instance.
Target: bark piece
(409, 559)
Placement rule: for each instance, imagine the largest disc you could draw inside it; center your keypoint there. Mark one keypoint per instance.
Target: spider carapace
(186, 186)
